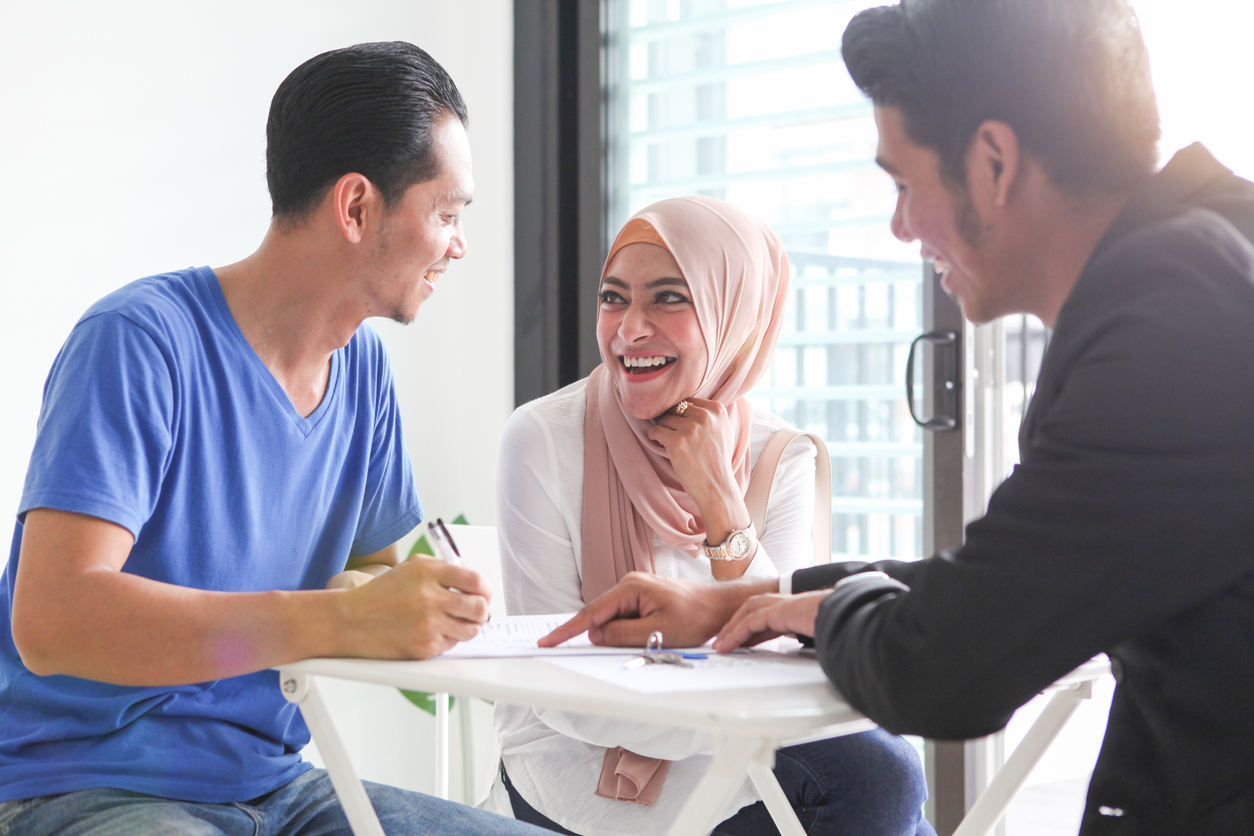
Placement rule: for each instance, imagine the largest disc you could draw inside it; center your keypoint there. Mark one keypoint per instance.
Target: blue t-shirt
(160, 417)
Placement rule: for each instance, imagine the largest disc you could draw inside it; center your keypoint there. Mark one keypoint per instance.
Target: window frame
(562, 197)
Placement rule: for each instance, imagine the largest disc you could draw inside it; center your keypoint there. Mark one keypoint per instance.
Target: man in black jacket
(1021, 136)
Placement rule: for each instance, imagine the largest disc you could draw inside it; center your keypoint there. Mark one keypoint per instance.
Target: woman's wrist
(722, 519)
(730, 570)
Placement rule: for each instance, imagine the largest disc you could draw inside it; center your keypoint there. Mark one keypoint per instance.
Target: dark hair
(1071, 77)
(370, 109)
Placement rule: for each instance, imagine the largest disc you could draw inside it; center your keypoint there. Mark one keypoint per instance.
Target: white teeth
(644, 362)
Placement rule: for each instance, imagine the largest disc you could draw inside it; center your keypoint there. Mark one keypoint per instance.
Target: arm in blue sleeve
(105, 426)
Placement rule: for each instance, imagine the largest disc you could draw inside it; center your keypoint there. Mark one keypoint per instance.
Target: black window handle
(945, 382)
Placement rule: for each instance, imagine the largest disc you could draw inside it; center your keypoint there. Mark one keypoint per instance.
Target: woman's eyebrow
(671, 282)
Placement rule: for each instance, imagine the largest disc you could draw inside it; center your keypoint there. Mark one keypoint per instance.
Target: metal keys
(654, 655)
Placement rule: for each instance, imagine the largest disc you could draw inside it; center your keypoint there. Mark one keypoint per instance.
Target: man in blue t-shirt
(214, 448)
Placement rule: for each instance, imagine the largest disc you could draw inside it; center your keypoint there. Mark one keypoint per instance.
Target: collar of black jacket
(1188, 173)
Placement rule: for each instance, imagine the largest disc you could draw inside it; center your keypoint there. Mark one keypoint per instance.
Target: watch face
(739, 545)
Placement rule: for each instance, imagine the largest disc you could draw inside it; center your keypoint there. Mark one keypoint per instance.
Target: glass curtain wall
(749, 101)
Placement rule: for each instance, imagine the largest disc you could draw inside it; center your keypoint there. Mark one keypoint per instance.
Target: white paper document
(516, 635)
(717, 672)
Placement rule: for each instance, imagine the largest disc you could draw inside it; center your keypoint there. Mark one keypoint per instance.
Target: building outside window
(750, 102)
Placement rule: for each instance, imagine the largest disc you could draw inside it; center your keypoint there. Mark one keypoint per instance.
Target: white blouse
(553, 757)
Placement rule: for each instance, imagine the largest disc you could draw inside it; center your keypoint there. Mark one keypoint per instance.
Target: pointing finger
(578, 623)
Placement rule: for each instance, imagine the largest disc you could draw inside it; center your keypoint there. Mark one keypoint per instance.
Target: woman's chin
(645, 409)
(650, 398)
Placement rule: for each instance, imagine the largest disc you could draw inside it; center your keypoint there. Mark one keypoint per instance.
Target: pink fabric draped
(626, 776)
(737, 274)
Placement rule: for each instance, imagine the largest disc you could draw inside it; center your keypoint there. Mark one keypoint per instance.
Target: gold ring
(682, 407)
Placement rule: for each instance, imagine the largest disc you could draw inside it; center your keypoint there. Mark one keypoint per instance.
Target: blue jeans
(305, 807)
(868, 784)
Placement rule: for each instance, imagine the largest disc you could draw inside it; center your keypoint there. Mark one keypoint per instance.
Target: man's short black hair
(369, 109)
(1071, 77)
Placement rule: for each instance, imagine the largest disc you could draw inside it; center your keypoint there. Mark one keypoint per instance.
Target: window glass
(750, 102)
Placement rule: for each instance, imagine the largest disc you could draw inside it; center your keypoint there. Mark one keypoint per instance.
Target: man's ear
(355, 203)
(994, 163)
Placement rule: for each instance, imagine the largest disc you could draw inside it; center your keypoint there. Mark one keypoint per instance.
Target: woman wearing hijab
(643, 466)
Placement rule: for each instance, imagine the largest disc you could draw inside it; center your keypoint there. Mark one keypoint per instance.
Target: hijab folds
(737, 274)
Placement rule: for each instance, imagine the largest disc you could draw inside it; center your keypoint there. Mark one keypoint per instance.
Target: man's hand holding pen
(414, 610)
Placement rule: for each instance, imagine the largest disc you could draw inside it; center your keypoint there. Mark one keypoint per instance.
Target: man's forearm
(732, 595)
(127, 630)
(75, 612)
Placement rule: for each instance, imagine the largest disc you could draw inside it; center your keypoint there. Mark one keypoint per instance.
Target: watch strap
(724, 552)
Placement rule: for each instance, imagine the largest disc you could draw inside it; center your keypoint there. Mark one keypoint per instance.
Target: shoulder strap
(758, 493)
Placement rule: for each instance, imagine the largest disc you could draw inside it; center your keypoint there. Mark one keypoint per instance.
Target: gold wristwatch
(739, 545)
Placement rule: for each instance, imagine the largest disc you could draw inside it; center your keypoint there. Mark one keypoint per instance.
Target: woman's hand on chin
(700, 444)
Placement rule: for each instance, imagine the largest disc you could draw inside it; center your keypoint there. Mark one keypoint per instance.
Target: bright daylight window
(750, 102)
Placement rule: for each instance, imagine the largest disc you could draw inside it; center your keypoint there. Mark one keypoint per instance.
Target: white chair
(480, 551)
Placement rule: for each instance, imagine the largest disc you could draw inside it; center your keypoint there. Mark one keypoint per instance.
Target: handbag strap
(758, 493)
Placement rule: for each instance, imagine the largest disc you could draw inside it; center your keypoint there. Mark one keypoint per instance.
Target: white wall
(132, 141)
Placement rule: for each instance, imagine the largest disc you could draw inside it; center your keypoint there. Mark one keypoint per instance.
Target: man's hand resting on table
(764, 617)
(687, 613)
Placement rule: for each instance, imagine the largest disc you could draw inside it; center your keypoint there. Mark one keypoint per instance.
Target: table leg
(441, 745)
(301, 689)
(732, 756)
(468, 751)
(992, 803)
(777, 804)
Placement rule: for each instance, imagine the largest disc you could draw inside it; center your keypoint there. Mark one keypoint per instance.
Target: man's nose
(457, 244)
(898, 223)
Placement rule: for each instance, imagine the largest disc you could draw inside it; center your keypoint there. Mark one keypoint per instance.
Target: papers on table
(516, 635)
(742, 669)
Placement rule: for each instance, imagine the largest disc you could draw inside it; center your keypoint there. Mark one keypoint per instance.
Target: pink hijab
(737, 273)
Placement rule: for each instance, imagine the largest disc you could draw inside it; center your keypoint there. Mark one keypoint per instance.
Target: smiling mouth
(644, 365)
(433, 276)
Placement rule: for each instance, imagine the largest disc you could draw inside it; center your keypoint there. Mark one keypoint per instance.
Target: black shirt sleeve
(1131, 507)
(822, 577)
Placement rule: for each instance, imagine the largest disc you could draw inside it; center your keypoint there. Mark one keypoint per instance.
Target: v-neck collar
(304, 425)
